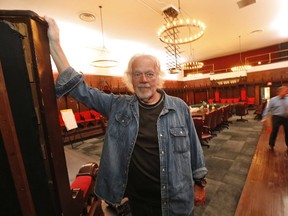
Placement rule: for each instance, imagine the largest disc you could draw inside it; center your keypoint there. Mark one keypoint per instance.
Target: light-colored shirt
(277, 106)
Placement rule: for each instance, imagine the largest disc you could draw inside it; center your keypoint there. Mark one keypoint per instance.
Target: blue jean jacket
(181, 155)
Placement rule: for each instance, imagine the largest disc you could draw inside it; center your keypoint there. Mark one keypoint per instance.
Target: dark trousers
(139, 208)
(277, 121)
(145, 209)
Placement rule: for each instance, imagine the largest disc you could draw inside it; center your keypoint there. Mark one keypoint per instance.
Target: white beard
(143, 95)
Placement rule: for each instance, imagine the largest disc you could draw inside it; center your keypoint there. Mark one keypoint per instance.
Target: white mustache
(144, 85)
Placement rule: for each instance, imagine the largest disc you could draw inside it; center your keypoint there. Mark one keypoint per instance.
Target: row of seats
(89, 123)
(215, 121)
(212, 122)
(229, 100)
(249, 100)
(224, 100)
(84, 118)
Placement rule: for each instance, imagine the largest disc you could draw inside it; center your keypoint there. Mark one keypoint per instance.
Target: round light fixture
(192, 65)
(87, 16)
(104, 63)
(241, 68)
(187, 31)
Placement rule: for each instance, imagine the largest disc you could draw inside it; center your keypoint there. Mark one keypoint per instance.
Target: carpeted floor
(228, 160)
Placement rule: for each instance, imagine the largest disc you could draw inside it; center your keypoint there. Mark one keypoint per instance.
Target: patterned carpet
(228, 160)
(91, 147)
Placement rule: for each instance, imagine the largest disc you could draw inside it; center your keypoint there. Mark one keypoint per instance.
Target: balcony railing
(267, 58)
(254, 60)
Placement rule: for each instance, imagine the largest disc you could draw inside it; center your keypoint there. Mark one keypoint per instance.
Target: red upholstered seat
(203, 137)
(88, 117)
(82, 189)
(243, 94)
(260, 109)
(241, 110)
(236, 100)
(250, 100)
(83, 183)
(217, 96)
(213, 123)
(211, 101)
(79, 119)
(229, 100)
(96, 114)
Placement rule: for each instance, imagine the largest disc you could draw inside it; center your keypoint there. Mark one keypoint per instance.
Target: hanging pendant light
(188, 30)
(105, 61)
(241, 67)
(191, 64)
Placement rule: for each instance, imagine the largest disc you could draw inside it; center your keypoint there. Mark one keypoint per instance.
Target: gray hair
(127, 78)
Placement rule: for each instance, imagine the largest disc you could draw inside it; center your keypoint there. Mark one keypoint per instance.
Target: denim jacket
(181, 155)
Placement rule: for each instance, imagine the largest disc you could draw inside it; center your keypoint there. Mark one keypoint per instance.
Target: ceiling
(139, 21)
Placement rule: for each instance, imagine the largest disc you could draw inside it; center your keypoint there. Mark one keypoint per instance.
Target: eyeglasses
(148, 75)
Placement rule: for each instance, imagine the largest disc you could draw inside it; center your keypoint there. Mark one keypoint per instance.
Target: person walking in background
(278, 108)
(151, 152)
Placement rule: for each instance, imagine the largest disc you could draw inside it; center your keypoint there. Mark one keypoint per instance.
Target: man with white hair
(151, 152)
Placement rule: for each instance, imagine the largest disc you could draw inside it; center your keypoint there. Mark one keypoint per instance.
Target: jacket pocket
(179, 139)
(123, 119)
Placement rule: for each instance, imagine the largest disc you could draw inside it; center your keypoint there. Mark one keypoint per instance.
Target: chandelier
(241, 67)
(191, 64)
(104, 61)
(188, 30)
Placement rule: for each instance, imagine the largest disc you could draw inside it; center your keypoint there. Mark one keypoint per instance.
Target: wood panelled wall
(193, 91)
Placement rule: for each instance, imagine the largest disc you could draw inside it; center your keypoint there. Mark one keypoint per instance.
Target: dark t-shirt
(144, 171)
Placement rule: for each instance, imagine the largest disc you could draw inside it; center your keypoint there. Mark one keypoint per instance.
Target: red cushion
(210, 101)
(217, 95)
(250, 100)
(229, 100)
(243, 94)
(82, 182)
(235, 100)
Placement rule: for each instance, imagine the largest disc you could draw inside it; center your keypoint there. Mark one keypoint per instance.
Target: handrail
(253, 60)
(267, 58)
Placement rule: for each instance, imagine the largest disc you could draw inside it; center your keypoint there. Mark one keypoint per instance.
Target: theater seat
(260, 109)
(241, 110)
(88, 117)
(84, 185)
(251, 102)
(203, 137)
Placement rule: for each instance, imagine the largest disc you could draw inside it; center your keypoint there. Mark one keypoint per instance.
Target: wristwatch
(200, 182)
